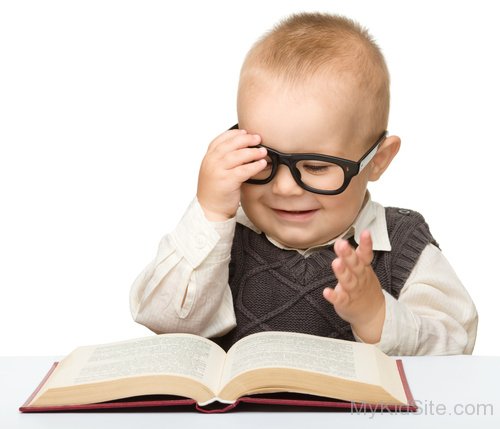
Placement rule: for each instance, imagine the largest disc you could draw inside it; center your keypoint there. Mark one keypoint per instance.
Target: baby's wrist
(369, 330)
(214, 216)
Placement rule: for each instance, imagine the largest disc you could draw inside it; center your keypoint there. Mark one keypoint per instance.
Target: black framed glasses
(320, 174)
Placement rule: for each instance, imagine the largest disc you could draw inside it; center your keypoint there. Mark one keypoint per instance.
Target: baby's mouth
(295, 214)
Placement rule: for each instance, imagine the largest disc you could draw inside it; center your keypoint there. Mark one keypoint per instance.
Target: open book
(197, 369)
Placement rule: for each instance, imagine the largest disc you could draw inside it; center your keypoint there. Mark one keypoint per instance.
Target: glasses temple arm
(369, 156)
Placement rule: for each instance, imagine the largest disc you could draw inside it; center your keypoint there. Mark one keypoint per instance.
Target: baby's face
(309, 118)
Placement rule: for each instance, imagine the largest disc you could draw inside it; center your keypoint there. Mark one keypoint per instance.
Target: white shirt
(185, 288)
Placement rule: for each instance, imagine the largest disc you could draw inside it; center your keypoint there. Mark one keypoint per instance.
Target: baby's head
(318, 84)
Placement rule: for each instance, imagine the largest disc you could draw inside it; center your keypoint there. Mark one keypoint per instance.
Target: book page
(307, 352)
(174, 354)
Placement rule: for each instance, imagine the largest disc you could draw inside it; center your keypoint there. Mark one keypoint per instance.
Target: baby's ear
(384, 156)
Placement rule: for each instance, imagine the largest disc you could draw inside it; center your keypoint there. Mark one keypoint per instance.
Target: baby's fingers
(224, 137)
(365, 248)
(336, 296)
(242, 157)
(344, 274)
(348, 256)
(246, 171)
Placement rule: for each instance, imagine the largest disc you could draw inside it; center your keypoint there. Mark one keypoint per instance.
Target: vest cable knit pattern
(281, 290)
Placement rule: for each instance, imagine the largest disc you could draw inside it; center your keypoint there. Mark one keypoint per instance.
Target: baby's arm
(185, 288)
(433, 315)
(358, 296)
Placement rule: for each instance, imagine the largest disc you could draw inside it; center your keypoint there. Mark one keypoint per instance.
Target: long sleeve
(185, 288)
(434, 314)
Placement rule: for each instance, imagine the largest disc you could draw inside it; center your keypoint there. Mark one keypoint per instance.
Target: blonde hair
(304, 45)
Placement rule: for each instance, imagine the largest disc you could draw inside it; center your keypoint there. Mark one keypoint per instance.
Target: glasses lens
(324, 176)
(266, 172)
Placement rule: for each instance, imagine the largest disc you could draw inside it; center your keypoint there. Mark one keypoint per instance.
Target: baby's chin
(295, 244)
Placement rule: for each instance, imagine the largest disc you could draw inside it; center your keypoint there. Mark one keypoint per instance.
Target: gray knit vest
(281, 290)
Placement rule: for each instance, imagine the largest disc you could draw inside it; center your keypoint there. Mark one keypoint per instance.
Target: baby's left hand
(358, 296)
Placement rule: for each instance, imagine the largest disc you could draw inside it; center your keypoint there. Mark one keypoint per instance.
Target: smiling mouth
(295, 211)
(295, 215)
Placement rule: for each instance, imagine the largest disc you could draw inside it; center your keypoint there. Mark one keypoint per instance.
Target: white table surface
(451, 391)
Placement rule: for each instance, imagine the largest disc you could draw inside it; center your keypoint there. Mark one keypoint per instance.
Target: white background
(106, 109)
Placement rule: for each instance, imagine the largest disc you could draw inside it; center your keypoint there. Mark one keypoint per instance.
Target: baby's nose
(284, 183)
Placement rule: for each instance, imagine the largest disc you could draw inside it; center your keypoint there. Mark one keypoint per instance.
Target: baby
(283, 234)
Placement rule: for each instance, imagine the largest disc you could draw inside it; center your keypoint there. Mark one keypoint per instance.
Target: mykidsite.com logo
(428, 408)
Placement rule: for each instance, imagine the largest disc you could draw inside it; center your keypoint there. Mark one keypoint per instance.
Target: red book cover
(274, 399)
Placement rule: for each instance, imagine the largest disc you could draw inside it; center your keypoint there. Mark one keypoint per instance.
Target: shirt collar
(370, 217)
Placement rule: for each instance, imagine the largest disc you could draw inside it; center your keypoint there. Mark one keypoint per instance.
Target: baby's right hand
(230, 160)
